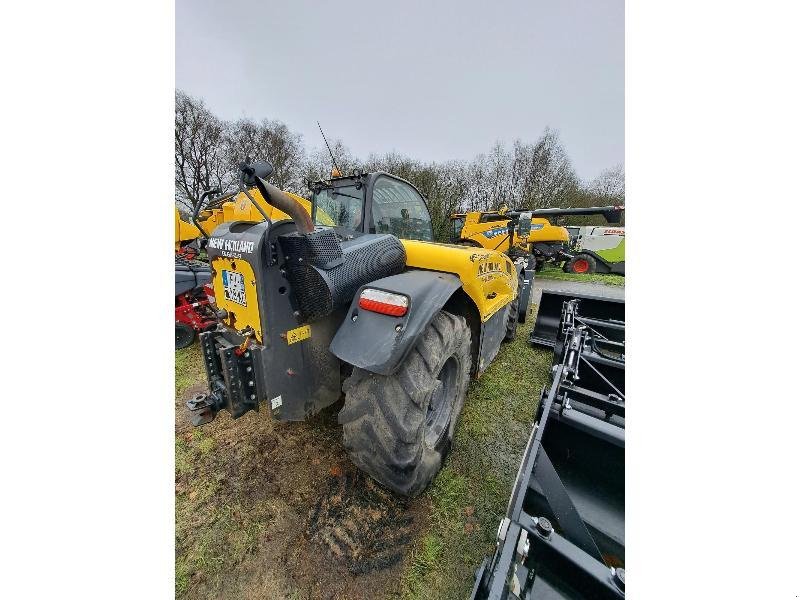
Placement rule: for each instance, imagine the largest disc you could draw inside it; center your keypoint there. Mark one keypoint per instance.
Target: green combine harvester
(596, 250)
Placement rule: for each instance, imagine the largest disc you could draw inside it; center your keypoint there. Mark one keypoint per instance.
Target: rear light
(386, 303)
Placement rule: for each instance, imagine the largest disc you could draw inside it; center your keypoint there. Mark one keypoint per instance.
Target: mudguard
(379, 343)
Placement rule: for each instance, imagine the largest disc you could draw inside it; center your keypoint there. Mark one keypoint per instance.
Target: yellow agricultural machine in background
(185, 232)
(245, 205)
(349, 293)
(524, 233)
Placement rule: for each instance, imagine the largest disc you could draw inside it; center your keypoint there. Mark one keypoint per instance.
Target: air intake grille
(321, 248)
(363, 259)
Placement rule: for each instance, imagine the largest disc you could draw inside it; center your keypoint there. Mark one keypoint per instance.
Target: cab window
(341, 206)
(398, 209)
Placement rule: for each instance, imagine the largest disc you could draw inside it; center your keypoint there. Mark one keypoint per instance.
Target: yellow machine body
(489, 278)
(490, 230)
(299, 300)
(240, 208)
(239, 317)
(184, 231)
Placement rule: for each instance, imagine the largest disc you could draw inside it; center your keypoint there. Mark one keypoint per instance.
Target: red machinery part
(580, 266)
(196, 311)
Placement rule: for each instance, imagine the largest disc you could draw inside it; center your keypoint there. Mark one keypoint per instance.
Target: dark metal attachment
(619, 577)
(572, 473)
(544, 526)
(202, 409)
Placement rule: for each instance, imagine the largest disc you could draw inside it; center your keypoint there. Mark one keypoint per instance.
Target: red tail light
(386, 303)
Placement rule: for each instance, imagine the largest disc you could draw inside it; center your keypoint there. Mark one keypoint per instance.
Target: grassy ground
(189, 369)
(470, 495)
(244, 490)
(551, 272)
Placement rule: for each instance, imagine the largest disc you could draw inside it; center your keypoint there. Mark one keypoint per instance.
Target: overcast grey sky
(434, 80)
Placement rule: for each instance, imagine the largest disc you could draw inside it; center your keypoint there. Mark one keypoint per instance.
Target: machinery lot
(276, 510)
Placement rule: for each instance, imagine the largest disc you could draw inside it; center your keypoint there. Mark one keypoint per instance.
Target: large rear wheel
(513, 319)
(398, 428)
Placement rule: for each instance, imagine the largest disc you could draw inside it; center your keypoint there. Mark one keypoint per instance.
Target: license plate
(233, 284)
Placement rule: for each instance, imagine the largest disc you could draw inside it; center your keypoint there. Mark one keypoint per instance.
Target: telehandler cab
(354, 297)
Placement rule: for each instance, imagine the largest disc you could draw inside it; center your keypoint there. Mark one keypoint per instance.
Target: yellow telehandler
(349, 293)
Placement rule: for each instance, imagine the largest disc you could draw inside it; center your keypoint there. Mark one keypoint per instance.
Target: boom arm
(612, 214)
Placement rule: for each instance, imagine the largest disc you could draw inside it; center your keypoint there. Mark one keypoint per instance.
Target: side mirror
(251, 170)
(524, 227)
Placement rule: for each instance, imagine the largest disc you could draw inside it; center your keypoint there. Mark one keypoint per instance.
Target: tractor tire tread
(383, 418)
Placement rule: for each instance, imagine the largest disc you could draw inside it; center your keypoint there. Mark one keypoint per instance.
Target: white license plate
(233, 284)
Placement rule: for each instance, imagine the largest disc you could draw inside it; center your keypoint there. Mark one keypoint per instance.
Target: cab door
(398, 208)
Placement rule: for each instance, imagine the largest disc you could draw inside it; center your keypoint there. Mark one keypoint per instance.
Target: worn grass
(189, 368)
(551, 272)
(219, 526)
(205, 540)
(470, 494)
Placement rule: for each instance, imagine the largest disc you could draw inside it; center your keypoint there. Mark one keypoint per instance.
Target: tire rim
(440, 407)
(580, 266)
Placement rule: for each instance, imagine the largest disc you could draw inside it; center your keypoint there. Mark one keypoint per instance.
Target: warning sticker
(276, 402)
(298, 335)
(233, 284)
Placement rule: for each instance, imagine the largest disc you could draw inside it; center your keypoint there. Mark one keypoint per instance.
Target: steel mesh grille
(365, 259)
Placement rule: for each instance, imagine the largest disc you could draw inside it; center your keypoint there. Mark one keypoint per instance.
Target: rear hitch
(203, 408)
(232, 378)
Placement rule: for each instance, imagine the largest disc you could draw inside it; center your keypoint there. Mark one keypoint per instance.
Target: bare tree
(445, 191)
(199, 160)
(267, 140)
(208, 152)
(607, 188)
(501, 181)
(543, 172)
(610, 185)
(318, 165)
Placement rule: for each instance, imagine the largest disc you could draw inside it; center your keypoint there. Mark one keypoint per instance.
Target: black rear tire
(513, 319)
(184, 335)
(525, 293)
(398, 428)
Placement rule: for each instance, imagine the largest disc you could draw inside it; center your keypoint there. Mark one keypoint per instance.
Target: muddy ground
(276, 510)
